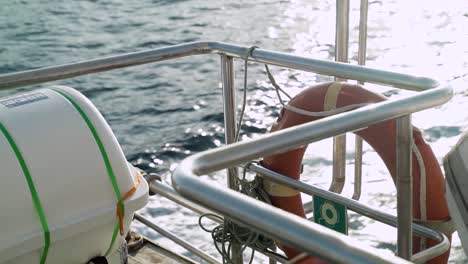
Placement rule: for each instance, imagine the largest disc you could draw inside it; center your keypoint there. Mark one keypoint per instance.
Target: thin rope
(244, 102)
(277, 87)
(296, 110)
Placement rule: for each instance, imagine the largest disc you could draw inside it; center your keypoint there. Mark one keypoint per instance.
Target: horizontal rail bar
(102, 64)
(176, 239)
(296, 231)
(169, 193)
(294, 137)
(337, 69)
(362, 209)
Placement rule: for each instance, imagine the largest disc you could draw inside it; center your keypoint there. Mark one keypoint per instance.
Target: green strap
(32, 190)
(104, 155)
(114, 236)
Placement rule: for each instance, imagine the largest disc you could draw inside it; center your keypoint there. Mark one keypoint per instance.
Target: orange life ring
(382, 137)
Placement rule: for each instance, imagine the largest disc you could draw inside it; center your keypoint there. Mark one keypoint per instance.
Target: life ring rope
(422, 190)
(329, 105)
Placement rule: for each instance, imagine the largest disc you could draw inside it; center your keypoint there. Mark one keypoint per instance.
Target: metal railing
(298, 232)
(359, 208)
(169, 193)
(341, 55)
(342, 70)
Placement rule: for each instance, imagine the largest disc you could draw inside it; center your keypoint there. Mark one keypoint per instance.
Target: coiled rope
(228, 233)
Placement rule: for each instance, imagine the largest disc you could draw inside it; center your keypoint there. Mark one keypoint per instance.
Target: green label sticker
(330, 214)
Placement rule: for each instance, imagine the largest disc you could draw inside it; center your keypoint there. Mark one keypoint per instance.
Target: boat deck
(152, 252)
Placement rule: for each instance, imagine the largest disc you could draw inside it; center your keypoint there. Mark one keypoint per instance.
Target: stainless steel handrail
(404, 185)
(421, 257)
(341, 55)
(342, 70)
(230, 130)
(362, 48)
(298, 232)
(295, 231)
(169, 193)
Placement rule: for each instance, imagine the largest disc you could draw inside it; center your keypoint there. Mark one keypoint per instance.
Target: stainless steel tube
(176, 239)
(229, 105)
(342, 31)
(432, 252)
(102, 64)
(169, 193)
(404, 186)
(339, 164)
(342, 70)
(337, 69)
(357, 168)
(291, 138)
(352, 205)
(363, 14)
(360, 208)
(295, 231)
(363, 11)
(341, 55)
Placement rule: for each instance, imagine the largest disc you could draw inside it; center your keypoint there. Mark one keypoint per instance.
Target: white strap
(329, 107)
(446, 227)
(331, 97)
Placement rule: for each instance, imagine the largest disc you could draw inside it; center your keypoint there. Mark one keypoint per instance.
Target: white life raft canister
(67, 193)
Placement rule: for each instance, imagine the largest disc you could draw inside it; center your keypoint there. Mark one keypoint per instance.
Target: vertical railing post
(229, 97)
(404, 185)
(341, 55)
(363, 10)
(229, 106)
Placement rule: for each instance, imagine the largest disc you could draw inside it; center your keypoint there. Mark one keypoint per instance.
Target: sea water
(164, 112)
